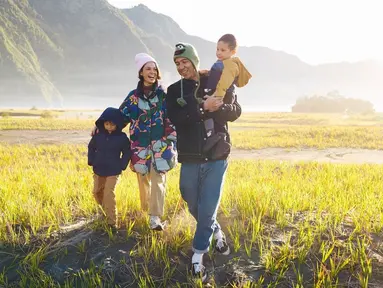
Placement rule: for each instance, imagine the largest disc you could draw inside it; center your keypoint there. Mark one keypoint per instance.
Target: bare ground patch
(332, 155)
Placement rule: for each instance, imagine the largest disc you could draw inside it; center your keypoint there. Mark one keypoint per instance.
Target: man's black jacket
(189, 119)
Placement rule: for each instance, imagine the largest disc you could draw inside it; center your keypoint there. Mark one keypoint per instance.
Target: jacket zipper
(150, 131)
(194, 154)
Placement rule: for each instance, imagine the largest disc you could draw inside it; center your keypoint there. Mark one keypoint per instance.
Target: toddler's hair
(230, 40)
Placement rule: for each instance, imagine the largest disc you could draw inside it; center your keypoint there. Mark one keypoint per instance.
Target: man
(203, 163)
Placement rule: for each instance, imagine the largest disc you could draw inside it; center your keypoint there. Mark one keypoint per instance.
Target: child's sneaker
(156, 224)
(221, 244)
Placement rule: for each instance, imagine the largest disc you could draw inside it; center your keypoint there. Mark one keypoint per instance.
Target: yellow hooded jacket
(233, 72)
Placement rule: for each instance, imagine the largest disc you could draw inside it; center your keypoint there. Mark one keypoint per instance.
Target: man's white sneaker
(221, 244)
(199, 271)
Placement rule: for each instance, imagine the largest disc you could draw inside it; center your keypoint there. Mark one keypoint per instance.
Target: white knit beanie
(141, 59)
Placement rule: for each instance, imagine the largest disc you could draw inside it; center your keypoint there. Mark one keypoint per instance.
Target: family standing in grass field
(185, 124)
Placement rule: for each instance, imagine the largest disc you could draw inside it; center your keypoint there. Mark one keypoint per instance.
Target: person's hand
(94, 131)
(204, 72)
(212, 103)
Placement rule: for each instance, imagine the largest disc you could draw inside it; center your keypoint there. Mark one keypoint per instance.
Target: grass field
(261, 130)
(28, 119)
(288, 224)
(304, 224)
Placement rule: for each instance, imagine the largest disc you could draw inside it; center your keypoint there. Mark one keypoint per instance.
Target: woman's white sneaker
(156, 224)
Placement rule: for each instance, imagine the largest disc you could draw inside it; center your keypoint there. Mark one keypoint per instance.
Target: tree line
(333, 102)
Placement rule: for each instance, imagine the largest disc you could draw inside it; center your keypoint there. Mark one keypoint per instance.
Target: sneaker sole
(203, 278)
(157, 228)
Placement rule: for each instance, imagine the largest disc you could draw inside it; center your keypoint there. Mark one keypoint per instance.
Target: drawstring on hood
(186, 50)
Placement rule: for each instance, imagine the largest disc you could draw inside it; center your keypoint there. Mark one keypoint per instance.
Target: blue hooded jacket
(109, 153)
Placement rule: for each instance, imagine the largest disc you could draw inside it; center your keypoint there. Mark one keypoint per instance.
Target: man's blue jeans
(201, 187)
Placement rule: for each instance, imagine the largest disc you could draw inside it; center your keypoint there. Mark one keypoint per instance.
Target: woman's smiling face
(149, 73)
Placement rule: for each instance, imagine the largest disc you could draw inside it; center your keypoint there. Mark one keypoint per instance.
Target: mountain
(81, 53)
(24, 46)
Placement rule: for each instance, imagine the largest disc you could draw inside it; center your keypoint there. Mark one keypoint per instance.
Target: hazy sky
(316, 31)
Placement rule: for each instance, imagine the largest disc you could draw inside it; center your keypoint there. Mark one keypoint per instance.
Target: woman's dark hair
(230, 40)
(142, 69)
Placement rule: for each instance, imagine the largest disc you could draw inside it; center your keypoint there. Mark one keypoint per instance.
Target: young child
(108, 153)
(226, 72)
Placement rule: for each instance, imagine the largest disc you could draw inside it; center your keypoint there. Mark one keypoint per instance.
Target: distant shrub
(47, 115)
(5, 114)
(34, 108)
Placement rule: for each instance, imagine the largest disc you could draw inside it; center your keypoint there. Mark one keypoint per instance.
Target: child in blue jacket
(109, 154)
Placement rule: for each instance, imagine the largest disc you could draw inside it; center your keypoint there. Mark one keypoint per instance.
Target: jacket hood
(244, 74)
(111, 114)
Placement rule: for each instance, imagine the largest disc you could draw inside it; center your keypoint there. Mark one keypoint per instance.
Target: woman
(152, 137)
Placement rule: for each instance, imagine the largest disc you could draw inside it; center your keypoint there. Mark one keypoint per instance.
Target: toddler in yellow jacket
(226, 72)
